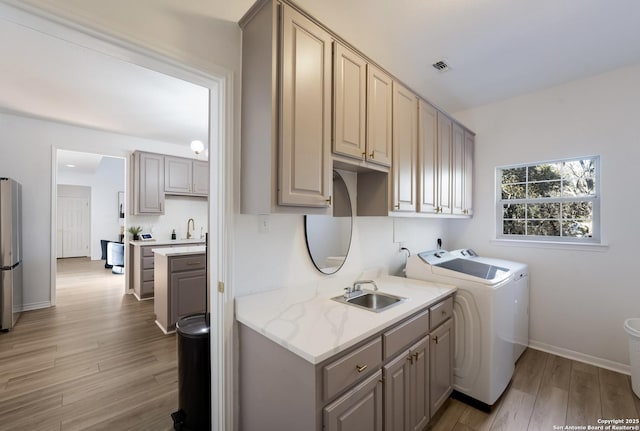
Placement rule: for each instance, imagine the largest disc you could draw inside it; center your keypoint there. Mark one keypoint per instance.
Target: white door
(73, 226)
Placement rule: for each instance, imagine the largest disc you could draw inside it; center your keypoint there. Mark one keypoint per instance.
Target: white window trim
(553, 241)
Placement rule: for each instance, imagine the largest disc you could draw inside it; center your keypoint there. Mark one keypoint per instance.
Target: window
(550, 201)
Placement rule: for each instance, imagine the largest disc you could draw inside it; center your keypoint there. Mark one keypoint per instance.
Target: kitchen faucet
(193, 226)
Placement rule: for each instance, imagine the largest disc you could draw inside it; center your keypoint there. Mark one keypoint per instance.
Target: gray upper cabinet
(148, 183)
(469, 145)
(379, 115)
(362, 108)
(286, 112)
(443, 163)
(457, 173)
(428, 172)
(186, 176)
(350, 95)
(405, 140)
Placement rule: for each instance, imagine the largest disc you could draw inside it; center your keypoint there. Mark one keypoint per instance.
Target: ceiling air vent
(441, 65)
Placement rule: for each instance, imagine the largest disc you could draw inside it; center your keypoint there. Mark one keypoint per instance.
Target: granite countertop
(307, 322)
(153, 242)
(180, 251)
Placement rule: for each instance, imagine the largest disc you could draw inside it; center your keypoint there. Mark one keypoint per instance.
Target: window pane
(577, 229)
(514, 175)
(546, 189)
(513, 227)
(543, 227)
(513, 191)
(577, 210)
(579, 178)
(544, 211)
(546, 171)
(513, 211)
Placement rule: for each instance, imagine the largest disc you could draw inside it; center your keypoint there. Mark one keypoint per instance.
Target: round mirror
(329, 237)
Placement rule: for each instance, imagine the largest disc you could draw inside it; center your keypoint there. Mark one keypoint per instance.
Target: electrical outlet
(263, 224)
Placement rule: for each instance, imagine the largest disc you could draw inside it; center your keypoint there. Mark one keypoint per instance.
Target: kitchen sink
(371, 300)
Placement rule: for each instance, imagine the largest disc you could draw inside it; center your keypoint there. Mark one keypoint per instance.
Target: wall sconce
(197, 146)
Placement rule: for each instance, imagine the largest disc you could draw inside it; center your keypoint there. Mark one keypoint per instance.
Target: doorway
(90, 215)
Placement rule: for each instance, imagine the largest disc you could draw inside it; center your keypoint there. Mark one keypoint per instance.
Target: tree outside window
(553, 201)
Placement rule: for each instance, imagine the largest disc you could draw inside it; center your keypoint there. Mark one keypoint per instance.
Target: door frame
(220, 82)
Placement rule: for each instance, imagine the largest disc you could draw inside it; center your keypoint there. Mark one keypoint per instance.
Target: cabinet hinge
(221, 286)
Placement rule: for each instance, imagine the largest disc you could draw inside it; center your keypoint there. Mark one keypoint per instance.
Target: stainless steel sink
(370, 300)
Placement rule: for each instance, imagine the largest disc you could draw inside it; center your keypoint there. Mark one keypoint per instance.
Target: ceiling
(497, 49)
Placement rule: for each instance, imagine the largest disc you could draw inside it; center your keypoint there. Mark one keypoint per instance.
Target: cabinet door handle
(397, 206)
(361, 368)
(371, 155)
(328, 200)
(193, 263)
(364, 155)
(436, 339)
(410, 359)
(415, 356)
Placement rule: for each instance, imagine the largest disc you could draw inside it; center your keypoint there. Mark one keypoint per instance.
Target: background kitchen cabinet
(180, 288)
(405, 137)
(148, 183)
(186, 176)
(286, 136)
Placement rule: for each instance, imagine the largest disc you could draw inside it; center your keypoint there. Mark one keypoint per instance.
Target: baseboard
(36, 305)
(581, 357)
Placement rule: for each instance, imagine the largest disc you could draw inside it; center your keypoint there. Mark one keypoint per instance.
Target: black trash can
(194, 375)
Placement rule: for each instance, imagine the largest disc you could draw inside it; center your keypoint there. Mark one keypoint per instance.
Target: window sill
(551, 245)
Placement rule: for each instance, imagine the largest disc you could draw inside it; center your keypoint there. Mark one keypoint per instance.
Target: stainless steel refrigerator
(10, 252)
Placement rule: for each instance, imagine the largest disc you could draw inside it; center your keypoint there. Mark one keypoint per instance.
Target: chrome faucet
(193, 226)
(354, 290)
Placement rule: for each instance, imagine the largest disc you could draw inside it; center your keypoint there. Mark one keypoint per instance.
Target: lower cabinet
(406, 389)
(358, 409)
(441, 364)
(393, 381)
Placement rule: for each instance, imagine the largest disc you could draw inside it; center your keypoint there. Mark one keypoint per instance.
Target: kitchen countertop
(180, 251)
(153, 242)
(307, 322)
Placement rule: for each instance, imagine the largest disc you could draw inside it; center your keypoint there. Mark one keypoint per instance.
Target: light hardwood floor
(96, 361)
(547, 390)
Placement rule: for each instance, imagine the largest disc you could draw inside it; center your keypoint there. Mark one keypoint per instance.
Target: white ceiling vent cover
(442, 65)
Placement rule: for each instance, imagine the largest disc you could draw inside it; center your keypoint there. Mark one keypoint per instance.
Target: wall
(267, 260)
(177, 210)
(26, 148)
(105, 183)
(579, 296)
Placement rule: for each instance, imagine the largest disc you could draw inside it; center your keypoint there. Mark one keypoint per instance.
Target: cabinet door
(428, 172)
(379, 116)
(469, 144)
(188, 294)
(458, 170)
(445, 132)
(177, 175)
(397, 375)
(350, 86)
(441, 365)
(200, 178)
(405, 141)
(150, 192)
(357, 410)
(419, 388)
(305, 143)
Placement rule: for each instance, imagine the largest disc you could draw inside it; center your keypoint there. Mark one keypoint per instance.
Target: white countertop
(180, 251)
(153, 242)
(307, 322)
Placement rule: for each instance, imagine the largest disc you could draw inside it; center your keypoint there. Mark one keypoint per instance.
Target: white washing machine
(491, 316)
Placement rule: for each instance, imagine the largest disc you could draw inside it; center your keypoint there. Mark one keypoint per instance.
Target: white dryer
(491, 317)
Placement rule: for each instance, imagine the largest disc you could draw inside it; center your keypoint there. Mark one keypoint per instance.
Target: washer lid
(475, 269)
